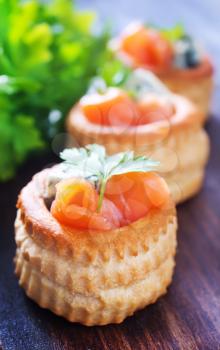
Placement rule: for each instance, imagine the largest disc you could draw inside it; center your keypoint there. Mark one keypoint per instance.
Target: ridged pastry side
(192, 150)
(199, 91)
(185, 184)
(100, 291)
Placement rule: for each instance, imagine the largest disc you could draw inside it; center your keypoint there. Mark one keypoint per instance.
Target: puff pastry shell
(194, 83)
(181, 145)
(94, 278)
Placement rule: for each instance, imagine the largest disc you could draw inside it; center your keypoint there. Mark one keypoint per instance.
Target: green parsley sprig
(48, 54)
(93, 162)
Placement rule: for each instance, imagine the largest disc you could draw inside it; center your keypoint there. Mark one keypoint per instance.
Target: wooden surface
(188, 317)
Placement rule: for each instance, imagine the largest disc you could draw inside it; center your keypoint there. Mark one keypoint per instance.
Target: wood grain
(188, 317)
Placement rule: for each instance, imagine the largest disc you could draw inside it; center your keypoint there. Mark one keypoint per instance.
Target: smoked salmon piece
(112, 108)
(147, 46)
(76, 204)
(128, 197)
(115, 108)
(134, 194)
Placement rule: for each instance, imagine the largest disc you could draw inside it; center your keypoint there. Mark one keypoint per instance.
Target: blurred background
(44, 69)
(200, 17)
(50, 50)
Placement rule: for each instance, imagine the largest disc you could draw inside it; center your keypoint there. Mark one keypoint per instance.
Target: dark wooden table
(188, 317)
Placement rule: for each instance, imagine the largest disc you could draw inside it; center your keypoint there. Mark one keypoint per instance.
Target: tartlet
(92, 277)
(179, 142)
(178, 61)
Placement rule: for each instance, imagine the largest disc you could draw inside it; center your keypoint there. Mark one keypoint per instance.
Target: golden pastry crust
(94, 278)
(196, 84)
(181, 145)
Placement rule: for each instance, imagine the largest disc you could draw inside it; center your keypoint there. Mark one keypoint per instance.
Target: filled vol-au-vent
(173, 55)
(96, 236)
(141, 114)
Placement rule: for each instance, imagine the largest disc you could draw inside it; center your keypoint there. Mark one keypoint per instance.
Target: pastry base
(199, 90)
(186, 184)
(188, 154)
(100, 291)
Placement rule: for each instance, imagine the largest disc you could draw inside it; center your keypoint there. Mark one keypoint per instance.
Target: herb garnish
(45, 67)
(175, 33)
(97, 166)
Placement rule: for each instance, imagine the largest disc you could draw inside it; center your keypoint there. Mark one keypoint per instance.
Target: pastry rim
(46, 230)
(204, 69)
(185, 116)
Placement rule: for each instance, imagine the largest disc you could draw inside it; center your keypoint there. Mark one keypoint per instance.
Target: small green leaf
(84, 20)
(114, 72)
(175, 33)
(92, 162)
(70, 51)
(26, 136)
(18, 136)
(21, 20)
(39, 35)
